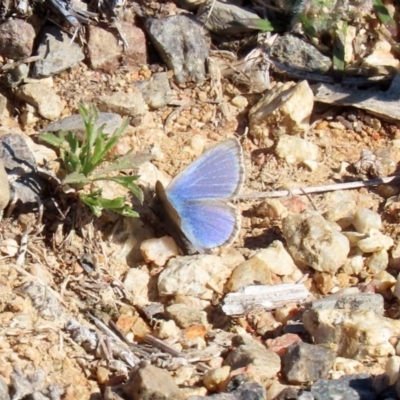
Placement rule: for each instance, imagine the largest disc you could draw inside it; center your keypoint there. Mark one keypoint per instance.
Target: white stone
(340, 205)
(278, 112)
(197, 276)
(365, 219)
(258, 268)
(353, 265)
(341, 331)
(396, 290)
(294, 149)
(136, 283)
(168, 329)
(47, 101)
(313, 242)
(378, 261)
(375, 242)
(240, 102)
(159, 251)
(392, 369)
(149, 174)
(348, 366)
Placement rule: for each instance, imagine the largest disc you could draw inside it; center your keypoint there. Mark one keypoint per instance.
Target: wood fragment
(319, 189)
(257, 298)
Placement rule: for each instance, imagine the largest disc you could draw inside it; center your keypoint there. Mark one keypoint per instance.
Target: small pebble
(240, 102)
(365, 219)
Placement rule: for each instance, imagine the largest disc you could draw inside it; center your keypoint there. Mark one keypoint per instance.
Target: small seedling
(85, 163)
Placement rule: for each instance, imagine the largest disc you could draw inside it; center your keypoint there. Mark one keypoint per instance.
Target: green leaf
(260, 24)
(339, 48)
(52, 139)
(76, 178)
(383, 14)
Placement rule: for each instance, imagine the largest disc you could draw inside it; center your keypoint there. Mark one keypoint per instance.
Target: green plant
(85, 163)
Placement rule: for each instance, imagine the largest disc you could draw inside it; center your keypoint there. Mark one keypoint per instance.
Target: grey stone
(110, 122)
(127, 104)
(156, 92)
(305, 362)
(265, 363)
(225, 18)
(16, 39)
(181, 44)
(17, 75)
(297, 53)
(354, 302)
(186, 316)
(57, 51)
(4, 392)
(349, 387)
(246, 391)
(148, 382)
(5, 187)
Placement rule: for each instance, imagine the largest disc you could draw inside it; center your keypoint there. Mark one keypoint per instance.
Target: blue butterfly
(197, 199)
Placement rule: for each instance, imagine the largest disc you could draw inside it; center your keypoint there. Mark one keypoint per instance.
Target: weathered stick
(257, 298)
(318, 189)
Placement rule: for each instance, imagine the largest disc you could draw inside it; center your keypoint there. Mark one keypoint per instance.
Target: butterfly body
(197, 200)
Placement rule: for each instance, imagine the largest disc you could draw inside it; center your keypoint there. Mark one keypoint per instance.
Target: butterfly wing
(199, 196)
(209, 223)
(217, 174)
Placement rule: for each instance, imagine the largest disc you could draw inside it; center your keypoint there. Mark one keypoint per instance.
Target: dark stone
(305, 362)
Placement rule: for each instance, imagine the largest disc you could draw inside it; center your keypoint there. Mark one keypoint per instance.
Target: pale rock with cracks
(260, 267)
(199, 275)
(294, 149)
(341, 331)
(375, 241)
(378, 261)
(45, 99)
(314, 242)
(136, 282)
(278, 112)
(159, 250)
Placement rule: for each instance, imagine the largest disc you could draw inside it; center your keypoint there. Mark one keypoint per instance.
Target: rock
(348, 366)
(185, 316)
(312, 241)
(159, 251)
(396, 290)
(295, 149)
(354, 264)
(258, 269)
(365, 219)
(277, 113)
(305, 362)
(126, 104)
(341, 207)
(226, 19)
(106, 52)
(149, 382)
(168, 329)
(264, 363)
(156, 92)
(215, 378)
(378, 261)
(381, 58)
(181, 44)
(48, 103)
(341, 330)
(354, 302)
(242, 391)
(17, 156)
(240, 102)
(395, 257)
(350, 387)
(17, 75)
(57, 51)
(271, 208)
(16, 39)
(136, 282)
(280, 344)
(3, 105)
(109, 121)
(5, 187)
(196, 275)
(297, 53)
(392, 369)
(374, 242)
